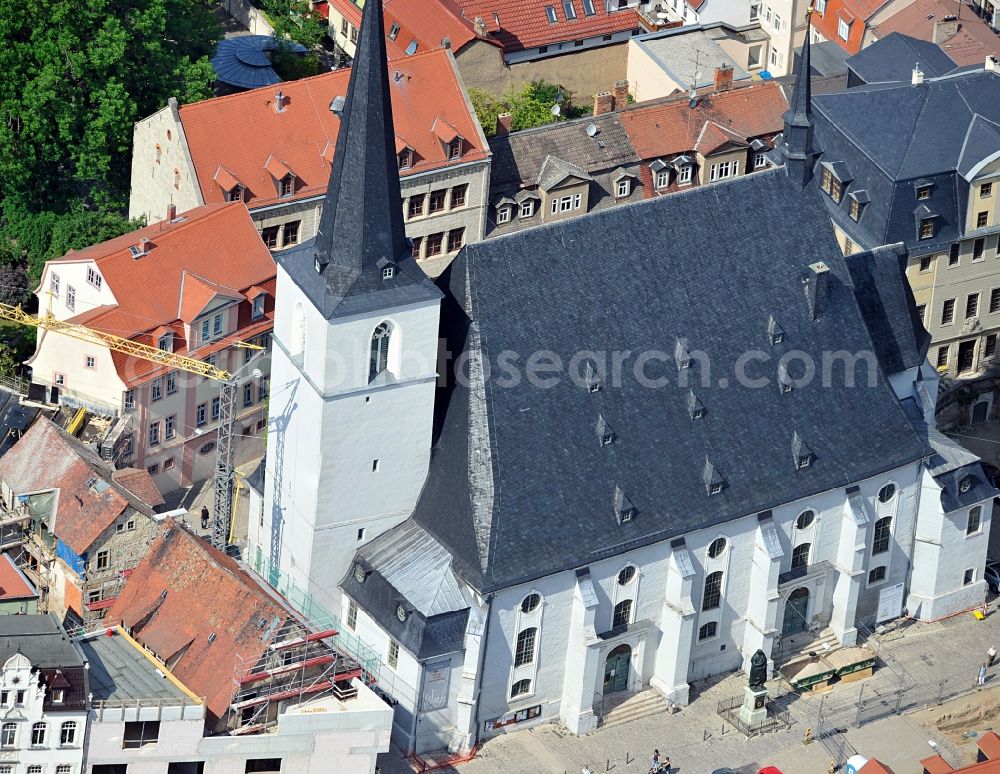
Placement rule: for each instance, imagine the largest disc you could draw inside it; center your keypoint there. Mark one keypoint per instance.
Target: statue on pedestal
(758, 669)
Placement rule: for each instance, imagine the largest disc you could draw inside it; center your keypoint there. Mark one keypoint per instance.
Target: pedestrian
(991, 655)
(656, 761)
(982, 674)
(204, 517)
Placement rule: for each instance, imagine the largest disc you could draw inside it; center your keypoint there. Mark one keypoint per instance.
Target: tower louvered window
(380, 350)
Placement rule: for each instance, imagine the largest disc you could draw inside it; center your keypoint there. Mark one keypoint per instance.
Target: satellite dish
(693, 94)
(556, 110)
(560, 97)
(591, 130)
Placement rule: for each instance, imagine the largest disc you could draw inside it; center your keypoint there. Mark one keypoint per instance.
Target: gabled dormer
(452, 143)
(202, 309)
(405, 155)
(284, 179)
(232, 189)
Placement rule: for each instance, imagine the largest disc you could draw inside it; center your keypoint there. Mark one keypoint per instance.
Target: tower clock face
(359, 573)
(401, 612)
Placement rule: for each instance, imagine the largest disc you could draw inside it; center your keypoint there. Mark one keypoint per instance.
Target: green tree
(529, 105)
(76, 78)
(487, 109)
(295, 20)
(290, 65)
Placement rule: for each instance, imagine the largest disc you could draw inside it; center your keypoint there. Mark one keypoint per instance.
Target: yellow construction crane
(221, 528)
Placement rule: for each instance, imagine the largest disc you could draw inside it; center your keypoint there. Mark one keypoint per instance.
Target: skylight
(412, 48)
(550, 12)
(588, 7)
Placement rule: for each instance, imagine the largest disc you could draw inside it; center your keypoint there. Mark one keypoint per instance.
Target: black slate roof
(892, 135)
(520, 486)
(893, 57)
(886, 302)
(361, 228)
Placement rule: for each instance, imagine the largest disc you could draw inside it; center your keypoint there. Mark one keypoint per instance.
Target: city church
(621, 452)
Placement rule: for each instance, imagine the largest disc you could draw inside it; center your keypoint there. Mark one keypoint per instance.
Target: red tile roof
(157, 290)
(427, 22)
(203, 592)
(671, 127)
(46, 457)
(141, 484)
(969, 46)
(348, 10)
(989, 744)
(525, 23)
(259, 142)
(13, 584)
(854, 12)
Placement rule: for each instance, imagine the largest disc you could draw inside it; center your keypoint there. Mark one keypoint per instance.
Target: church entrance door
(796, 612)
(616, 669)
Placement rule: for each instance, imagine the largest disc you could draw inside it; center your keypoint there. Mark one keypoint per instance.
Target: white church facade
(535, 529)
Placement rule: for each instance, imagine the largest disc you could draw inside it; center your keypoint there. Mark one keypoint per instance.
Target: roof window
(550, 14)
(624, 509)
(604, 432)
(412, 48)
(393, 31)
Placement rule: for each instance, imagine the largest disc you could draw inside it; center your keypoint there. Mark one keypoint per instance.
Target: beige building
(277, 150)
(197, 285)
(686, 58)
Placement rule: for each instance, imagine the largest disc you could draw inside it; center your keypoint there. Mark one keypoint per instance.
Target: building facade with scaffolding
(83, 525)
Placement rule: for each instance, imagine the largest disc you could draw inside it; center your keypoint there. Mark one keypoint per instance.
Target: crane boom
(223, 500)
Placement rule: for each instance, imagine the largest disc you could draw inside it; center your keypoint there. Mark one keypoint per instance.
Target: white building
(43, 697)
(144, 718)
(668, 435)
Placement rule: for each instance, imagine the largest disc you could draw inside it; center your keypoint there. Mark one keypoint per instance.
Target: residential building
(723, 134)
(228, 681)
(685, 59)
(85, 524)
(846, 22)
(560, 171)
(517, 579)
(930, 185)
(785, 24)
(579, 44)
(17, 594)
(964, 37)
(43, 695)
(276, 153)
(197, 285)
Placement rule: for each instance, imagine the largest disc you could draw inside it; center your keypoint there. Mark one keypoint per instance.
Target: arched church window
(380, 350)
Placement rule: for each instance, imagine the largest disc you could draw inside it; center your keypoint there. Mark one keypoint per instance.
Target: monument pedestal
(754, 709)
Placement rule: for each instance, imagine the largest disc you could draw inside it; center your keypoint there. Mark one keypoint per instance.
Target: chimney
(604, 102)
(620, 95)
(723, 78)
(815, 281)
(171, 211)
(944, 29)
(918, 76)
(279, 101)
(503, 124)
(480, 26)
(993, 63)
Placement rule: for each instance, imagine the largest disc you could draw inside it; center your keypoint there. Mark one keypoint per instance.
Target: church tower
(797, 149)
(354, 359)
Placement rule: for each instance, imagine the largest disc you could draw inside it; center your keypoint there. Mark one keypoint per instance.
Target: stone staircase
(633, 707)
(799, 647)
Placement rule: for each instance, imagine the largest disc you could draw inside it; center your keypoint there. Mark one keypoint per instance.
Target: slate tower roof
(361, 258)
(797, 150)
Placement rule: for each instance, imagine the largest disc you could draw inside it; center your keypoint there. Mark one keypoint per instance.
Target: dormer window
(235, 194)
(258, 306)
(503, 214)
(804, 461)
(622, 188)
(684, 174)
(715, 489)
(405, 158)
(318, 264)
(166, 342)
(455, 149)
(388, 272)
(924, 192)
(831, 185)
(527, 208)
(965, 484)
(927, 228)
(287, 185)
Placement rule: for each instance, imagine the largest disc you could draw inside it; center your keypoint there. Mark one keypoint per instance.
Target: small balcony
(659, 16)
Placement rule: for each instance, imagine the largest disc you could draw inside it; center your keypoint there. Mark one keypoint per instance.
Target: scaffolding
(301, 662)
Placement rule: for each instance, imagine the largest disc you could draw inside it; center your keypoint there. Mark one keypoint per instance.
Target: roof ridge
(307, 79)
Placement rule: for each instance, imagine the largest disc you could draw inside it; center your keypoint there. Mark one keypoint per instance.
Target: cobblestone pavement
(923, 658)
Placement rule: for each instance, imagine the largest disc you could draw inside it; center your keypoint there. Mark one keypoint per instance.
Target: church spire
(798, 132)
(361, 244)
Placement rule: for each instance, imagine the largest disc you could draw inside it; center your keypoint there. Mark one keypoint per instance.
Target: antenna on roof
(279, 101)
(591, 130)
